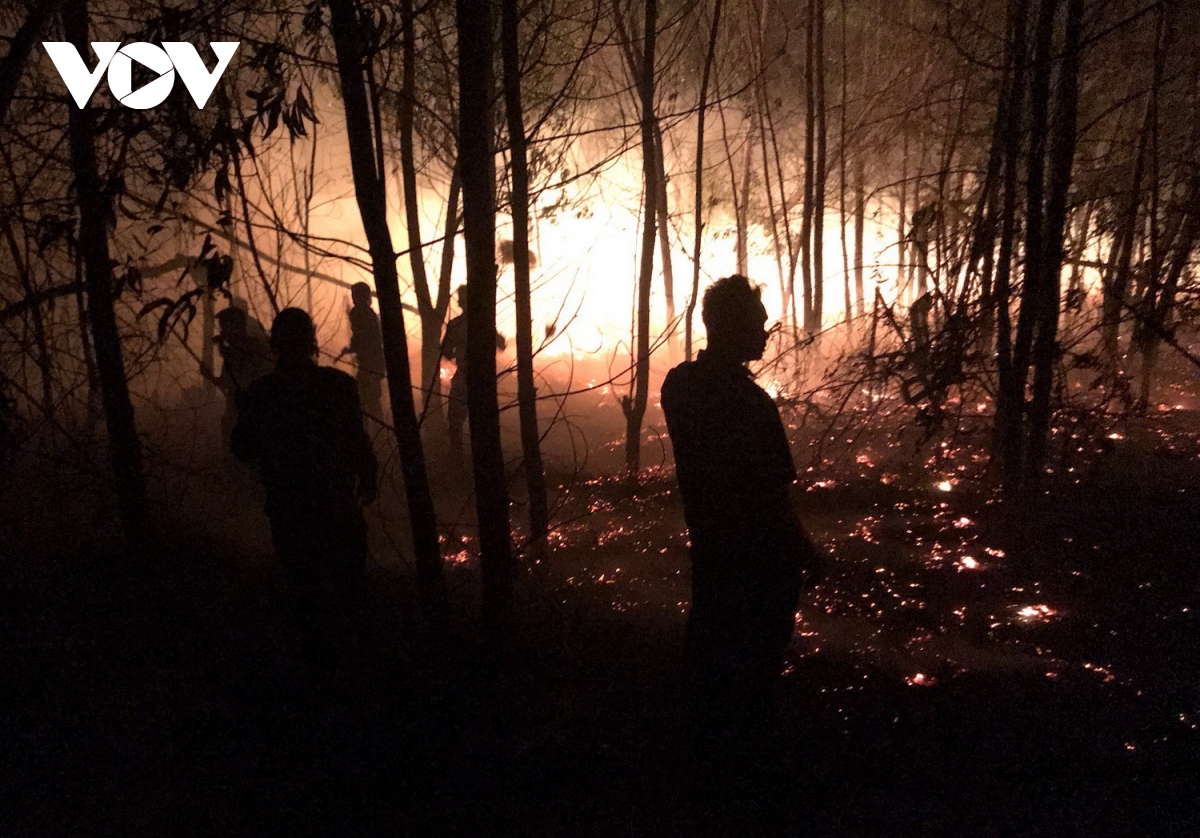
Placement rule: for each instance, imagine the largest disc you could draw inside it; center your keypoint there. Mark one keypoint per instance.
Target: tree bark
(634, 405)
(477, 168)
(1116, 279)
(701, 110)
(124, 447)
(19, 50)
(819, 175)
(535, 478)
(860, 220)
(662, 208)
(1060, 162)
(349, 36)
(431, 321)
(1006, 437)
(806, 220)
(431, 327)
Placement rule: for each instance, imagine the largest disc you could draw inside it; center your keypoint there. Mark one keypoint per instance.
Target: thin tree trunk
(860, 222)
(1183, 243)
(699, 208)
(20, 47)
(349, 42)
(40, 342)
(477, 168)
(124, 447)
(664, 240)
(819, 175)
(806, 221)
(431, 327)
(431, 323)
(535, 479)
(1033, 288)
(901, 218)
(743, 217)
(1061, 161)
(634, 405)
(793, 250)
(1006, 446)
(1116, 279)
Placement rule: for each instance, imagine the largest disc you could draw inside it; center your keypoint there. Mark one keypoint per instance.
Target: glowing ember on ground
(1036, 613)
(945, 486)
(969, 563)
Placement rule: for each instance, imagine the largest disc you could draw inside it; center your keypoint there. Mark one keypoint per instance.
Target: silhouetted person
(454, 347)
(749, 553)
(302, 424)
(245, 358)
(366, 343)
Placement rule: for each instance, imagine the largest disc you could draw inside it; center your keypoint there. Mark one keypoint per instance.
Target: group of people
(302, 424)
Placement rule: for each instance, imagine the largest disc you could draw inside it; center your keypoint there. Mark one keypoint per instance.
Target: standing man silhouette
(245, 358)
(454, 348)
(366, 344)
(749, 553)
(302, 424)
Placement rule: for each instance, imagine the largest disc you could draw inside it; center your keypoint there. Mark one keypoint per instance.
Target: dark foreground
(1051, 691)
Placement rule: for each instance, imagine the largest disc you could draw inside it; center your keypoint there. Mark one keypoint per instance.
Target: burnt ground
(969, 667)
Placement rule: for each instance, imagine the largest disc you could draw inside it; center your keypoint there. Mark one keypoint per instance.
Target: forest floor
(969, 667)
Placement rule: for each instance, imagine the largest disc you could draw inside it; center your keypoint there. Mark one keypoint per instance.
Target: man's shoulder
(363, 314)
(332, 377)
(264, 385)
(680, 375)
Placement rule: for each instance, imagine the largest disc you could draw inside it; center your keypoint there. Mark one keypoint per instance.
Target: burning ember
(1036, 614)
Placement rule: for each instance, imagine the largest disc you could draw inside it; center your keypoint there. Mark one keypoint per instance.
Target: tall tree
(477, 168)
(634, 404)
(819, 172)
(350, 43)
(701, 111)
(431, 309)
(535, 479)
(95, 215)
(1059, 163)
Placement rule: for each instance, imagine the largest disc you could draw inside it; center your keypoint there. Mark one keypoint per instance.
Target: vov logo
(167, 60)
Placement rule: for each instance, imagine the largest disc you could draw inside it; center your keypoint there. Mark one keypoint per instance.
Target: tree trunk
(1010, 395)
(742, 207)
(634, 405)
(819, 175)
(20, 47)
(1033, 288)
(431, 325)
(1116, 279)
(806, 220)
(124, 447)
(1061, 159)
(477, 168)
(860, 220)
(662, 208)
(535, 479)
(699, 208)
(1159, 317)
(349, 43)
(901, 218)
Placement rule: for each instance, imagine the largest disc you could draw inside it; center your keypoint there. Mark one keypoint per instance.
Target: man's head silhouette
(360, 294)
(293, 336)
(232, 321)
(734, 317)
